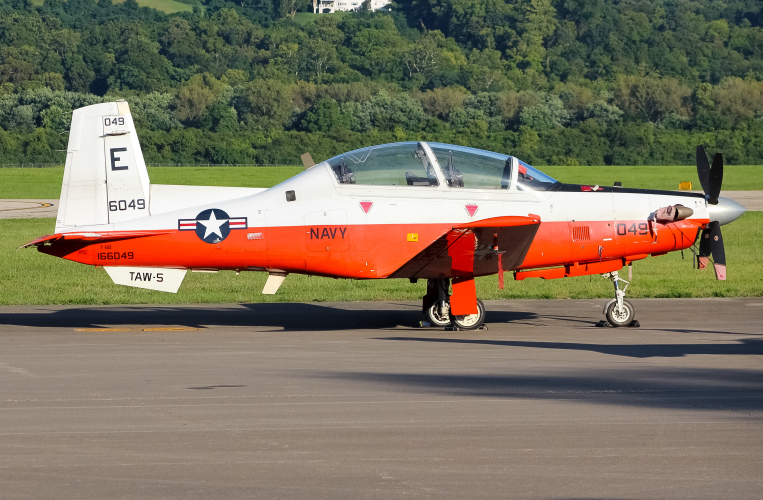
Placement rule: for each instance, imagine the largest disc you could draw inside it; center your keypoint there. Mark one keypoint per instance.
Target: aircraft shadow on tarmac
(283, 316)
(741, 347)
(655, 387)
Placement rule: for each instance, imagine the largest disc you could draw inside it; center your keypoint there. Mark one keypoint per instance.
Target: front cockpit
(399, 164)
(433, 165)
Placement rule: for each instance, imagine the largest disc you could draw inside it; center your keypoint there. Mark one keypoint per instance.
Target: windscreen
(530, 179)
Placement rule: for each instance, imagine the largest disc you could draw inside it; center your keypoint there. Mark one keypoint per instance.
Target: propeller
(710, 178)
(712, 243)
(711, 240)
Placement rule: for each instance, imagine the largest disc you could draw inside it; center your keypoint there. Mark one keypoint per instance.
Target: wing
(474, 249)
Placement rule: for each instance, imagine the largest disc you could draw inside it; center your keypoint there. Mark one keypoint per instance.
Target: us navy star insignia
(212, 225)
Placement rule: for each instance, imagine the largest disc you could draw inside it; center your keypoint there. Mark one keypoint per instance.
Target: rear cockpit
(435, 164)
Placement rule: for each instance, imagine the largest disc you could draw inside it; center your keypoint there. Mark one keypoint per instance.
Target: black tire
(620, 319)
(470, 321)
(435, 318)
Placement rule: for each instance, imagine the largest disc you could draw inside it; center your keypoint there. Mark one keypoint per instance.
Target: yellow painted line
(102, 330)
(162, 329)
(38, 203)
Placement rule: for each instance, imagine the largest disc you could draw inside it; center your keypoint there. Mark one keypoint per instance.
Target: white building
(331, 6)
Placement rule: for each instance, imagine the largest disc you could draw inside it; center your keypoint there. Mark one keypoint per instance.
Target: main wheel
(620, 318)
(436, 317)
(470, 321)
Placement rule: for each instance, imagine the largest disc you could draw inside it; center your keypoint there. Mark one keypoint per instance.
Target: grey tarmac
(27, 209)
(353, 400)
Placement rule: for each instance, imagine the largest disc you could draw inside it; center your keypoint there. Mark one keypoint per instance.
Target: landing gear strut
(619, 311)
(437, 308)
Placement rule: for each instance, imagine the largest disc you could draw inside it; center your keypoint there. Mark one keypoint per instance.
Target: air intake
(581, 233)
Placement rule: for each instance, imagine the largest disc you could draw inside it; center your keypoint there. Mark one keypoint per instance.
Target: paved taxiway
(351, 401)
(28, 209)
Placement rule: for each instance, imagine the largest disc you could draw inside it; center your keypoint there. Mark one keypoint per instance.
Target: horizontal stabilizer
(48, 238)
(152, 278)
(93, 236)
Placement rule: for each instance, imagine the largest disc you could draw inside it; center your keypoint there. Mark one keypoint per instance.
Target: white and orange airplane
(415, 210)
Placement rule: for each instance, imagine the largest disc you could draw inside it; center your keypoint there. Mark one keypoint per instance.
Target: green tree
(325, 116)
(546, 115)
(651, 99)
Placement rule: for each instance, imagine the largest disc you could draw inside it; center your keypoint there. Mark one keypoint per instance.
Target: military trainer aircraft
(415, 210)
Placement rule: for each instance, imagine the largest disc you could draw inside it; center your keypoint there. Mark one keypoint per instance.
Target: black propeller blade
(716, 179)
(703, 169)
(711, 179)
(712, 243)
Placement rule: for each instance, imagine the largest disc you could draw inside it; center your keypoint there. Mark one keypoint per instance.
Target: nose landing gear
(619, 312)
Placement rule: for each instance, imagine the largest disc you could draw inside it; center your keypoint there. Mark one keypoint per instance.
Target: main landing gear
(437, 308)
(619, 311)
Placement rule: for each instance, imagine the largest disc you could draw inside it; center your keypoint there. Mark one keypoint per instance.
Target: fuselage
(315, 224)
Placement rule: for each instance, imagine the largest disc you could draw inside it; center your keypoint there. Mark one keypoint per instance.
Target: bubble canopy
(416, 164)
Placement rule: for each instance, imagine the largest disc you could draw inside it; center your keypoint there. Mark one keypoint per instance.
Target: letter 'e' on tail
(105, 178)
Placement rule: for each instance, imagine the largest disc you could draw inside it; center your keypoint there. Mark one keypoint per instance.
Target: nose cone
(725, 211)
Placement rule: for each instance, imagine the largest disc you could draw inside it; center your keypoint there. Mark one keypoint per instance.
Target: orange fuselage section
(373, 251)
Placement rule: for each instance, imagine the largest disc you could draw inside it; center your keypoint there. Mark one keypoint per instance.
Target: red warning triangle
(366, 205)
(472, 209)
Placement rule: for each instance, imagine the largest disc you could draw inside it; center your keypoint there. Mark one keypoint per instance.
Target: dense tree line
(552, 81)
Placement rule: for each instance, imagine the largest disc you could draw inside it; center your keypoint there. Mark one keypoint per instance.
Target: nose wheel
(622, 316)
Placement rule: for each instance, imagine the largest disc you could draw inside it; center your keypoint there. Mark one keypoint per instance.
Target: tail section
(105, 178)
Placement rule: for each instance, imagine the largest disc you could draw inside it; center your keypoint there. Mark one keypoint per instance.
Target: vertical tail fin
(105, 178)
